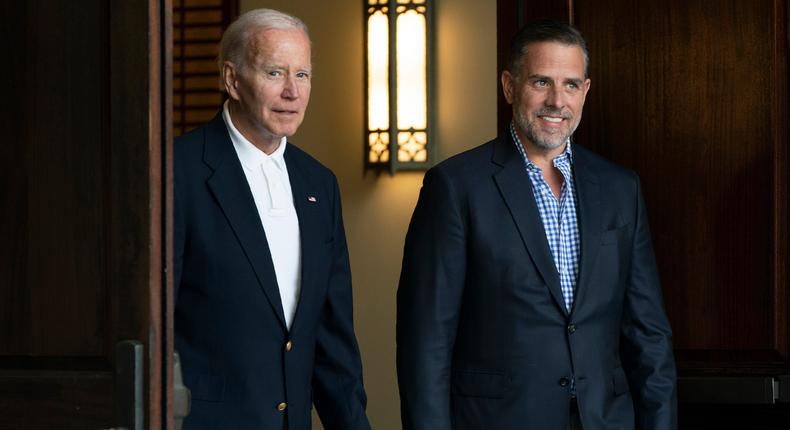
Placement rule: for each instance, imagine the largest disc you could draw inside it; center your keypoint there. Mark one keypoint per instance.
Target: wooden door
(85, 215)
(693, 95)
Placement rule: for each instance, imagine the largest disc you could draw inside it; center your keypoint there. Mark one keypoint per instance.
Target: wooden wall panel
(83, 203)
(682, 93)
(54, 223)
(780, 118)
(63, 400)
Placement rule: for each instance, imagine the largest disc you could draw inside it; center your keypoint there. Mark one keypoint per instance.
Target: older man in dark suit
(263, 317)
(529, 296)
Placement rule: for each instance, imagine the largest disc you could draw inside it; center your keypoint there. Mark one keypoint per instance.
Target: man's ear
(507, 86)
(229, 79)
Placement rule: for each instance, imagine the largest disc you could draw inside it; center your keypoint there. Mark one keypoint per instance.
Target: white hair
(236, 39)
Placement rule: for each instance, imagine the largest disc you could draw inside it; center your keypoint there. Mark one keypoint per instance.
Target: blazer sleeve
(428, 304)
(646, 337)
(338, 392)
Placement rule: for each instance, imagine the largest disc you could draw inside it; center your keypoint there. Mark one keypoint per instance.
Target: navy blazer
(229, 323)
(483, 337)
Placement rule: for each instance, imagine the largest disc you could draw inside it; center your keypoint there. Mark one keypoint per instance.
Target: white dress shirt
(267, 176)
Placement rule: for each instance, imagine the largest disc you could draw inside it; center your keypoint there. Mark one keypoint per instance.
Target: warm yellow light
(397, 78)
(412, 146)
(378, 147)
(412, 84)
(378, 75)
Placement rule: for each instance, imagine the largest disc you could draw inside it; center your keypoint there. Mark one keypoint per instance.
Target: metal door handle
(129, 384)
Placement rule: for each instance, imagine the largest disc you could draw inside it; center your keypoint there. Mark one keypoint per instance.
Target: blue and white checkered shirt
(559, 217)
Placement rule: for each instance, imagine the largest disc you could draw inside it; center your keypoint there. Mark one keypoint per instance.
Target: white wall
(377, 208)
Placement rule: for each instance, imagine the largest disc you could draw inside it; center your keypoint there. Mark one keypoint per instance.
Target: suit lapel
(588, 196)
(306, 201)
(515, 186)
(229, 186)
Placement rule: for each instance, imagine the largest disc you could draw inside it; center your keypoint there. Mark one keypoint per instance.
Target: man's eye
(273, 73)
(541, 83)
(572, 86)
(303, 75)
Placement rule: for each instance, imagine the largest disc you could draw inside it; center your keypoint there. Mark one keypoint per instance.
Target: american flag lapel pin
(312, 199)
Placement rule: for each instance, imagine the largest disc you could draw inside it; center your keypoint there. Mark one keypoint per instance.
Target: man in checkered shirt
(529, 296)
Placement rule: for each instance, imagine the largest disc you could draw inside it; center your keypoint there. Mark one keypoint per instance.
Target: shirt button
(288, 346)
(564, 382)
(281, 407)
(571, 328)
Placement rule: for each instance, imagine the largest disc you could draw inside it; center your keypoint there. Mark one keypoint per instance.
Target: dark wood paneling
(138, 132)
(168, 300)
(63, 400)
(682, 93)
(734, 417)
(53, 214)
(82, 266)
(780, 118)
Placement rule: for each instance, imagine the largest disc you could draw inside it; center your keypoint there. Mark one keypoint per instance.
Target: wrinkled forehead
(268, 44)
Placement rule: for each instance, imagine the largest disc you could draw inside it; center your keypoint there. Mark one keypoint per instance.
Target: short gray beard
(549, 143)
(530, 128)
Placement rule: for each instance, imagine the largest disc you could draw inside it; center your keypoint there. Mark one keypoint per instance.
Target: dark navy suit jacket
(229, 324)
(484, 339)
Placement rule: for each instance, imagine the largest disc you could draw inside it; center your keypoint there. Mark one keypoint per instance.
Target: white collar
(249, 154)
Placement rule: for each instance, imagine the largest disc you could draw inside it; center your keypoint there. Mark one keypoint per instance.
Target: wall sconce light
(398, 91)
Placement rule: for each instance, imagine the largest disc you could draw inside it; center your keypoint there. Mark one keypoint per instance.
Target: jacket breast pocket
(485, 384)
(611, 237)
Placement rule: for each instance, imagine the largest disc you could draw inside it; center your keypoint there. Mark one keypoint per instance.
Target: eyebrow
(274, 66)
(576, 81)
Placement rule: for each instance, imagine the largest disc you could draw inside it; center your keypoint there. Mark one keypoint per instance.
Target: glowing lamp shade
(398, 85)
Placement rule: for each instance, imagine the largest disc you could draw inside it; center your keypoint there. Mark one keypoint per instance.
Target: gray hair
(236, 39)
(544, 30)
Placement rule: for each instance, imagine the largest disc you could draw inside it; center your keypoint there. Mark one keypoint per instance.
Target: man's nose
(291, 89)
(555, 97)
